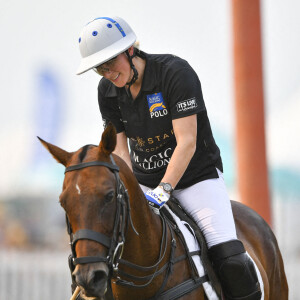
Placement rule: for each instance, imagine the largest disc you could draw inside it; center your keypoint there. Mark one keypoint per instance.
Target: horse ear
(109, 139)
(60, 155)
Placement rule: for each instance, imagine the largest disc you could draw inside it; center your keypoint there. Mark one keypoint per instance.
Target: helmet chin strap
(135, 72)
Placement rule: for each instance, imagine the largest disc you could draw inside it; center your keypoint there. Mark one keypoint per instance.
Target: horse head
(93, 199)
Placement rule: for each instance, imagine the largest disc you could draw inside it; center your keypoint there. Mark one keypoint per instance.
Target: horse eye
(109, 197)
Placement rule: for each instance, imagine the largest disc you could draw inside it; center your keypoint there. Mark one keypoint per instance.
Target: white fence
(46, 275)
(34, 276)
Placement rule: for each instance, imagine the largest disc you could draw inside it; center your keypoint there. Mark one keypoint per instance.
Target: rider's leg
(208, 203)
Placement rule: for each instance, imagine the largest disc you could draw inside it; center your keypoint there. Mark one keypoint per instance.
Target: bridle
(115, 244)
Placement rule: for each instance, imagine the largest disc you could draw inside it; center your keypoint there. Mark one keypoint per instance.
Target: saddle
(178, 210)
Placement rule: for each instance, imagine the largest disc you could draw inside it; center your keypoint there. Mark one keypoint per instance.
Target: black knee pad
(236, 271)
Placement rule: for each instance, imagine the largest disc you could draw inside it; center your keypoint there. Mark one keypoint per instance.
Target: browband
(92, 164)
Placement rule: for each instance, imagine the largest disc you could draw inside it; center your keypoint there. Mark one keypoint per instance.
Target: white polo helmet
(102, 39)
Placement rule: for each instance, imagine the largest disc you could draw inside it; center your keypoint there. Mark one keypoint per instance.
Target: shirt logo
(157, 107)
(156, 161)
(186, 105)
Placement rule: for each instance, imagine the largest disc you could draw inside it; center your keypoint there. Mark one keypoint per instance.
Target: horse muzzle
(92, 280)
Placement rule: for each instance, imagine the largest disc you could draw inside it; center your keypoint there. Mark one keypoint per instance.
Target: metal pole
(249, 104)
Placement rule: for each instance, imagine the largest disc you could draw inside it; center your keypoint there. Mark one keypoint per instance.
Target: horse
(119, 244)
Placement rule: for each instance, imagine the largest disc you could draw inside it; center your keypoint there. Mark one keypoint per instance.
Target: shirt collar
(149, 79)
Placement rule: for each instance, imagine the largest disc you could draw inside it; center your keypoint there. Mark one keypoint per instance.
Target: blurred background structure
(250, 138)
(42, 96)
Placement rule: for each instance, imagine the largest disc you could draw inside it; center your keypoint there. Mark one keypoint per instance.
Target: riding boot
(235, 270)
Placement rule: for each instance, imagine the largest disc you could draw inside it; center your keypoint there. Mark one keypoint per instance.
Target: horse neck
(142, 248)
(145, 221)
(147, 224)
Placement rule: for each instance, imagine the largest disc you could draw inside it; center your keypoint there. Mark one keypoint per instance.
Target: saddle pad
(193, 245)
(261, 283)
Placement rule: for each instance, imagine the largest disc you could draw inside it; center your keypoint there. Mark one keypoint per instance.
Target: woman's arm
(185, 130)
(122, 148)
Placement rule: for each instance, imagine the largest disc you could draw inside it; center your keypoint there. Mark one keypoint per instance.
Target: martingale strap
(160, 271)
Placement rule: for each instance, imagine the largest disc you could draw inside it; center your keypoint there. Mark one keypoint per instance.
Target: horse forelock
(83, 152)
(90, 152)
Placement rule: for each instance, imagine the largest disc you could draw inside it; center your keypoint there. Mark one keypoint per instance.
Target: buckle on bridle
(120, 247)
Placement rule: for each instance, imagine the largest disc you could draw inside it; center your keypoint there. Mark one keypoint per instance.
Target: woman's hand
(157, 198)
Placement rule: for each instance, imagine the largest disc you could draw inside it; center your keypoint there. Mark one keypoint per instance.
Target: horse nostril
(79, 279)
(97, 284)
(93, 282)
(99, 277)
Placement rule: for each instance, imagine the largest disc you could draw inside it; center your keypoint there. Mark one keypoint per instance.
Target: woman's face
(117, 70)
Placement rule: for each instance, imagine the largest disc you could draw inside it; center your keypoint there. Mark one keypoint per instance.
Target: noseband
(115, 244)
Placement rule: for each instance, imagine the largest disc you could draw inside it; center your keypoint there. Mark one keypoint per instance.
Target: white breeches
(208, 203)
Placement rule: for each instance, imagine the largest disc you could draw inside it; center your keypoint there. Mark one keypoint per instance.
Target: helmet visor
(104, 68)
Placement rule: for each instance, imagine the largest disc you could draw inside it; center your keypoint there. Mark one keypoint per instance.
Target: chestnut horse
(120, 244)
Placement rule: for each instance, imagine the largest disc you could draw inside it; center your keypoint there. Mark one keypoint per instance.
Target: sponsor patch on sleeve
(185, 105)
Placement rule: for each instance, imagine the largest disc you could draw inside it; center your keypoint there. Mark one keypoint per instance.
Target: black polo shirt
(170, 90)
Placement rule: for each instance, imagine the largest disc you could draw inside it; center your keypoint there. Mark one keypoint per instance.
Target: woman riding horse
(105, 207)
(156, 102)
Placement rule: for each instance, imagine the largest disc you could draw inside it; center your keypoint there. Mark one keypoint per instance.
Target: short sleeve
(184, 94)
(109, 108)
